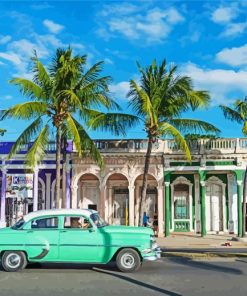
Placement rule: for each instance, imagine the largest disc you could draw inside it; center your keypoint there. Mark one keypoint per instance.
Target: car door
(77, 244)
(42, 235)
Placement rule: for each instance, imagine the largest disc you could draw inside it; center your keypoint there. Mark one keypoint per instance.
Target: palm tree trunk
(145, 179)
(244, 203)
(58, 165)
(64, 173)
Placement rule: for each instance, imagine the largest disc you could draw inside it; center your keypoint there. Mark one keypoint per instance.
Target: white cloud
(150, 25)
(53, 27)
(234, 29)
(8, 97)
(5, 39)
(120, 90)
(11, 57)
(224, 14)
(221, 83)
(236, 56)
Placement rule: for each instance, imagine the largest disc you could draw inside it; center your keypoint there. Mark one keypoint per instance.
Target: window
(47, 223)
(77, 222)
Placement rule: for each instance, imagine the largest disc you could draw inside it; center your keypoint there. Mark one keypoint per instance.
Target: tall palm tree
(159, 99)
(60, 96)
(238, 113)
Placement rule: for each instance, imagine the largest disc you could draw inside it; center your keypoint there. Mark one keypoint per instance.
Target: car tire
(14, 261)
(128, 260)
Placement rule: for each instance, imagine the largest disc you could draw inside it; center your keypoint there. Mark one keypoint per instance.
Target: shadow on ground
(137, 282)
(204, 265)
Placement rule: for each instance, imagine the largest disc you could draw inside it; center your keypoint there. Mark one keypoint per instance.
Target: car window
(47, 223)
(79, 222)
(19, 224)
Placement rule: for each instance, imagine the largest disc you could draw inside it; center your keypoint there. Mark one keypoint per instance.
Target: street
(168, 276)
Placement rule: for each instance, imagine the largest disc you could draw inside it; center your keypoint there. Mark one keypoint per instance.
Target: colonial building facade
(201, 196)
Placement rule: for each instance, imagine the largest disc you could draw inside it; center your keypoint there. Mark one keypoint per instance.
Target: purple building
(24, 190)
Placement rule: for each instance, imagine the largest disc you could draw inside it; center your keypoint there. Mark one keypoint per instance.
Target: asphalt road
(168, 276)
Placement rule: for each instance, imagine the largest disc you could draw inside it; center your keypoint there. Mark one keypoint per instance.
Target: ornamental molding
(181, 180)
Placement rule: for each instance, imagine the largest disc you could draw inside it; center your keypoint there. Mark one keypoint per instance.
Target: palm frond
(26, 136)
(82, 141)
(116, 123)
(37, 151)
(193, 125)
(168, 129)
(29, 88)
(231, 114)
(25, 110)
(199, 99)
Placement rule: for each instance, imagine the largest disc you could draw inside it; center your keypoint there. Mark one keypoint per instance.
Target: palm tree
(239, 114)
(159, 99)
(60, 96)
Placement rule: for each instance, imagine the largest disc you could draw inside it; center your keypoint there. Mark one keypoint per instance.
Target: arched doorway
(181, 205)
(214, 205)
(118, 199)
(150, 205)
(88, 196)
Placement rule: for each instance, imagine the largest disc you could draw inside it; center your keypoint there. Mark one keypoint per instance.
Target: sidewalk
(194, 241)
(190, 245)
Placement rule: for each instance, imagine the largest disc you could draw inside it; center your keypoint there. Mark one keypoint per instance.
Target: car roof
(41, 213)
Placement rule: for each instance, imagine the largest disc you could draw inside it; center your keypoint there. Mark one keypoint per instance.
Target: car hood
(5, 230)
(133, 229)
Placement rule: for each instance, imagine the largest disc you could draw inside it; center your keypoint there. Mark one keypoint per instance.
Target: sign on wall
(19, 185)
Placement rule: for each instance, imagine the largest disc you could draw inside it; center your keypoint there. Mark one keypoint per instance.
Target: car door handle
(30, 231)
(63, 230)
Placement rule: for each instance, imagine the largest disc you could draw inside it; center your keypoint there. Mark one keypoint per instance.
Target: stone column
(68, 193)
(131, 205)
(110, 200)
(102, 209)
(160, 212)
(240, 219)
(137, 204)
(203, 208)
(48, 191)
(3, 198)
(35, 189)
(74, 197)
(167, 208)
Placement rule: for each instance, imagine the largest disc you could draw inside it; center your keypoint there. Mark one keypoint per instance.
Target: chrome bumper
(153, 254)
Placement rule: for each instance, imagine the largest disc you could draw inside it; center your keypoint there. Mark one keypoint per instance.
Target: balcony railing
(207, 146)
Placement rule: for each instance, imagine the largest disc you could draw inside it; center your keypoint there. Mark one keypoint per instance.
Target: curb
(203, 255)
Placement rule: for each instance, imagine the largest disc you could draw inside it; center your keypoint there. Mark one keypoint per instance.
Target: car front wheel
(14, 260)
(128, 260)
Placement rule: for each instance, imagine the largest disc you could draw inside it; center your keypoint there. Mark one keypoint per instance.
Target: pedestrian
(145, 219)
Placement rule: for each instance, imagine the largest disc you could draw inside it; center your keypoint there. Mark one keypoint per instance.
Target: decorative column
(3, 198)
(35, 189)
(137, 204)
(160, 212)
(167, 208)
(167, 178)
(110, 199)
(131, 205)
(102, 208)
(48, 191)
(68, 193)
(240, 216)
(74, 197)
(203, 208)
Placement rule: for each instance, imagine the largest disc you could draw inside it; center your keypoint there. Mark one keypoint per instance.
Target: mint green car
(76, 236)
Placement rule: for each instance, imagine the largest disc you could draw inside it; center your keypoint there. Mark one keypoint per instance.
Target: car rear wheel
(14, 261)
(128, 260)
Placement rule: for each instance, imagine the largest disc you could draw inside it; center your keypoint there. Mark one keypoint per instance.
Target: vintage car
(76, 236)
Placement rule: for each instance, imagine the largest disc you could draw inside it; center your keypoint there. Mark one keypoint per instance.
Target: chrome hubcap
(128, 260)
(13, 260)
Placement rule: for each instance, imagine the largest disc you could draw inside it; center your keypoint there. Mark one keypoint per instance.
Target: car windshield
(97, 220)
(18, 224)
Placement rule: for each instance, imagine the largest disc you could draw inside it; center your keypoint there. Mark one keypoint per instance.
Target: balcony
(201, 146)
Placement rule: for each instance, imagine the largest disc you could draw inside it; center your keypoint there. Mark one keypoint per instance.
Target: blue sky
(206, 39)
